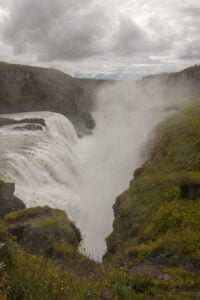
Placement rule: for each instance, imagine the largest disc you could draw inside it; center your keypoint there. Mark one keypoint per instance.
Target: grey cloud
(75, 30)
(57, 29)
(190, 38)
(192, 11)
(129, 38)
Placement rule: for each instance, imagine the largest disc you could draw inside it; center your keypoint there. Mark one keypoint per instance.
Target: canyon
(140, 137)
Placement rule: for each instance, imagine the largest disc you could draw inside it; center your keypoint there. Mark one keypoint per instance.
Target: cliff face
(24, 88)
(168, 181)
(183, 85)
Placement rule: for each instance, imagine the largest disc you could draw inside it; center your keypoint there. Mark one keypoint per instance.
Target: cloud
(73, 30)
(129, 38)
(57, 30)
(79, 35)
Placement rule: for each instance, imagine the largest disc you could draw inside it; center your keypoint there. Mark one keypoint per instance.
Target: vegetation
(158, 218)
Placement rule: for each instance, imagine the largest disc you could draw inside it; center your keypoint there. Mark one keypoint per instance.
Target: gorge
(83, 176)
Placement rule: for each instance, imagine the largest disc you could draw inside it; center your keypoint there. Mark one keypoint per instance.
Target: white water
(43, 164)
(52, 167)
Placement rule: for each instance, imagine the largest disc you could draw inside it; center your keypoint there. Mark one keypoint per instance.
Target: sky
(120, 39)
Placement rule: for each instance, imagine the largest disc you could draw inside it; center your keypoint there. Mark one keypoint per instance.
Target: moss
(60, 224)
(25, 214)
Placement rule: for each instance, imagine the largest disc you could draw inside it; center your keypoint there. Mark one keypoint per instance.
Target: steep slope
(157, 220)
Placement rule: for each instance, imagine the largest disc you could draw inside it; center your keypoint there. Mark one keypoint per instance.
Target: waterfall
(43, 163)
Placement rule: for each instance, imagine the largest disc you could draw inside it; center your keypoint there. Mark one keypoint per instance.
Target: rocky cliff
(183, 85)
(25, 88)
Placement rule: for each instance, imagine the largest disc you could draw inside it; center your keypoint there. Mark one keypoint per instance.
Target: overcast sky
(103, 38)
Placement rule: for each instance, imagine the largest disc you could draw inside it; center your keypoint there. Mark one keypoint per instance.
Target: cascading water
(83, 177)
(43, 164)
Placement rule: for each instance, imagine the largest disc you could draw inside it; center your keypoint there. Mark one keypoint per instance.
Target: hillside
(157, 220)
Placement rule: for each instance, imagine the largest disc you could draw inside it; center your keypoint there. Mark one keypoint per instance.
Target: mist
(125, 114)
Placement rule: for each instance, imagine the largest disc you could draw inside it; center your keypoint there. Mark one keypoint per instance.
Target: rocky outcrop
(44, 231)
(8, 201)
(49, 232)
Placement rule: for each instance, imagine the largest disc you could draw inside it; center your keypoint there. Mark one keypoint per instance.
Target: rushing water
(43, 164)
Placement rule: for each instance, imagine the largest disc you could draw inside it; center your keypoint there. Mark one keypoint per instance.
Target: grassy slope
(154, 198)
(152, 217)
